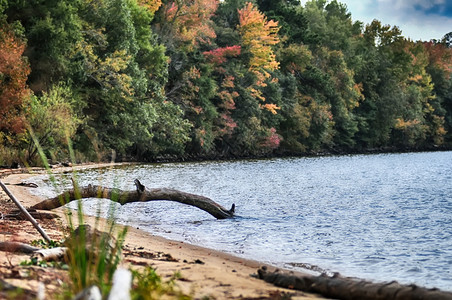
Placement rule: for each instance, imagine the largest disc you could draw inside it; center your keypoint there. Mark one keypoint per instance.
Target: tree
(186, 22)
(447, 40)
(52, 29)
(51, 123)
(258, 36)
(14, 71)
(290, 17)
(122, 70)
(440, 69)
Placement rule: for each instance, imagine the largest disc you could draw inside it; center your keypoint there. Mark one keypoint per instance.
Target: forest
(149, 80)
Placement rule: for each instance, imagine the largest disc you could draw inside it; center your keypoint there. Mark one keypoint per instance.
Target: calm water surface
(379, 217)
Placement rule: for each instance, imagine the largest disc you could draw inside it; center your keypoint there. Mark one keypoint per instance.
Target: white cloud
(418, 19)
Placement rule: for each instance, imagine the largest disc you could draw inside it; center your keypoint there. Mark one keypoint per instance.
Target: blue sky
(418, 19)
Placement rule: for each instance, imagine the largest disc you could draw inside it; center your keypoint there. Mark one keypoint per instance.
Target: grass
(94, 255)
(148, 285)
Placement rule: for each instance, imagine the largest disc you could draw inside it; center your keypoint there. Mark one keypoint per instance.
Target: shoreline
(205, 272)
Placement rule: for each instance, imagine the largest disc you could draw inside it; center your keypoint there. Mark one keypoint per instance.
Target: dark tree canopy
(184, 79)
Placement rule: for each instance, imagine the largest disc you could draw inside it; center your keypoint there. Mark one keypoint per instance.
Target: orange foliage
(191, 20)
(151, 5)
(402, 124)
(14, 71)
(259, 35)
(228, 124)
(271, 108)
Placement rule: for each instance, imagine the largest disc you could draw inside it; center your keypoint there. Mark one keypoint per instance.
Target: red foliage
(14, 71)
(273, 140)
(439, 56)
(219, 55)
(228, 123)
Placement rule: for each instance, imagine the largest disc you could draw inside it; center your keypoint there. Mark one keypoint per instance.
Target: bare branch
(142, 194)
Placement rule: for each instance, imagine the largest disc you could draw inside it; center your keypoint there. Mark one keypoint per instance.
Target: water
(378, 217)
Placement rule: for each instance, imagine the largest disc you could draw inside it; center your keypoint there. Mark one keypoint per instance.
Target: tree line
(160, 79)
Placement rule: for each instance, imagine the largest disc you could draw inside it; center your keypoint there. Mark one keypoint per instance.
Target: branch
(142, 194)
(25, 212)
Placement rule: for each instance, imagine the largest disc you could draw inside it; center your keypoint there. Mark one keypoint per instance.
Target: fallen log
(18, 215)
(338, 287)
(52, 254)
(17, 247)
(141, 194)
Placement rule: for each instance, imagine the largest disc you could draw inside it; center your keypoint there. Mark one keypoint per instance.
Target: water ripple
(380, 217)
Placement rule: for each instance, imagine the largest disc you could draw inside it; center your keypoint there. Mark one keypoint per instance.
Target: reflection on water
(379, 217)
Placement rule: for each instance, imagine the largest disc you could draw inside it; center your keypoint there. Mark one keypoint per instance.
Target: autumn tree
(187, 21)
(258, 37)
(440, 69)
(226, 93)
(52, 29)
(122, 70)
(14, 92)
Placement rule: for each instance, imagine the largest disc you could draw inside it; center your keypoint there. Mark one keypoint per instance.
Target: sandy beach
(205, 273)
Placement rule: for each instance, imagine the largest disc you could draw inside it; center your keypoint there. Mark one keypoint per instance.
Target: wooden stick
(25, 212)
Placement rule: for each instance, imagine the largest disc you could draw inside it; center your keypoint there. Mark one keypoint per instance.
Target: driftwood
(18, 215)
(338, 287)
(141, 194)
(52, 254)
(55, 254)
(17, 247)
(25, 212)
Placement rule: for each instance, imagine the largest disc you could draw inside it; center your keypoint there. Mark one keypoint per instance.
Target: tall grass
(94, 255)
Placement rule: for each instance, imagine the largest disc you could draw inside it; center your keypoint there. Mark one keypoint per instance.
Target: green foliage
(46, 245)
(52, 120)
(93, 259)
(45, 264)
(148, 285)
(152, 79)
(52, 29)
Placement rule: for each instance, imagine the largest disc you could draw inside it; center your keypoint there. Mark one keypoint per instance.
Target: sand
(205, 273)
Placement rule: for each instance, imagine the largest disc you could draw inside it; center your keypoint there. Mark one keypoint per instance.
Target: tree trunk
(141, 194)
(338, 287)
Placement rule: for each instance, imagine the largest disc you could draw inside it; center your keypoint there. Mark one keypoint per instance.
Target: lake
(378, 217)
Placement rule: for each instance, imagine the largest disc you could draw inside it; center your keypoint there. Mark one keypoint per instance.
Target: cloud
(444, 9)
(418, 19)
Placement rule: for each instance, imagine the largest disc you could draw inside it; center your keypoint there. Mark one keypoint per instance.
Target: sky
(418, 19)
